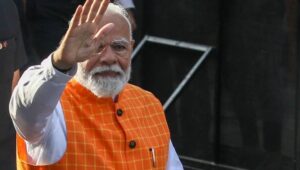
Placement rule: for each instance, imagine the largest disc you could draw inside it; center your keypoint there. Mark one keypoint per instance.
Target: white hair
(116, 8)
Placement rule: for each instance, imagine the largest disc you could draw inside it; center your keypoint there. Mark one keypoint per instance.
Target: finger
(103, 32)
(101, 11)
(92, 44)
(76, 18)
(99, 38)
(85, 12)
(93, 10)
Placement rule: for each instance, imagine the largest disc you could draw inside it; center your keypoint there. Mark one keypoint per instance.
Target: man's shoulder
(139, 95)
(136, 90)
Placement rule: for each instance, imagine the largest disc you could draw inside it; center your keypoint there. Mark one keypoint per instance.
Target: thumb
(104, 31)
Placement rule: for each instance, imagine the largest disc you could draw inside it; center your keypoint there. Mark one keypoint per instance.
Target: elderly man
(94, 120)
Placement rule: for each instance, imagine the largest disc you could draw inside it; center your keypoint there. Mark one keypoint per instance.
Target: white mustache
(115, 68)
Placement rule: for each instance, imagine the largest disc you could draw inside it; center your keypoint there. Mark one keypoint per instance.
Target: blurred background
(240, 110)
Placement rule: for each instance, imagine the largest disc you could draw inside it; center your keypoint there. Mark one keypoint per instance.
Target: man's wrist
(61, 69)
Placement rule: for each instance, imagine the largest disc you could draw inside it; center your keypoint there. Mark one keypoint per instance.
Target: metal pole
(209, 163)
(176, 43)
(138, 47)
(186, 79)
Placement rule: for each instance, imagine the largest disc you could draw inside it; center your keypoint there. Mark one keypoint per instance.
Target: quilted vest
(130, 133)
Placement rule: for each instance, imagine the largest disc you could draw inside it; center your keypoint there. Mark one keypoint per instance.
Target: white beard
(103, 86)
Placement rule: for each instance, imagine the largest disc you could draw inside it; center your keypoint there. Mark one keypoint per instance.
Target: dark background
(240, 110)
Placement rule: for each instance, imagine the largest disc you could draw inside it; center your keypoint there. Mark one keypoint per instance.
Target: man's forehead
(120, 31)
(116, 39)
(115, 18)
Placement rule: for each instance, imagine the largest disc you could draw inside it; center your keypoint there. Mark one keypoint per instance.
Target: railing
(205, 50)
(180, 44)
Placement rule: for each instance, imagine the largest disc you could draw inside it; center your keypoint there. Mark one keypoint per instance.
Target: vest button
(132, 144)
(119, 112)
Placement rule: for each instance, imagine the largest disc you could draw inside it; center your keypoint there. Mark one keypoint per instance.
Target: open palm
(84, 35)
(81, 42)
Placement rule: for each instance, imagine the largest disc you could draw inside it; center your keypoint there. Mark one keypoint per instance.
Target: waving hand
(83, 36)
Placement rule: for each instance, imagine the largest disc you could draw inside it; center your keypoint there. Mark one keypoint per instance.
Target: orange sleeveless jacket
(102, 134)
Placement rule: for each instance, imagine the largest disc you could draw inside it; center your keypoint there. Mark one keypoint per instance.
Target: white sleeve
(52, 146)
(126, 3)
(35, 98)
(36, 112)
(173, 159)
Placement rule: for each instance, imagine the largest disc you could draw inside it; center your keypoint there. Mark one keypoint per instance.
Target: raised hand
(83, 36)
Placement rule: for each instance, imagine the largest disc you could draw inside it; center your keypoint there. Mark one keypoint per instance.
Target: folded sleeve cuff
(56, 75)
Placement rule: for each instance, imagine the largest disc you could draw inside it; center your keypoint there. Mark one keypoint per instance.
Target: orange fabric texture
(103, 134)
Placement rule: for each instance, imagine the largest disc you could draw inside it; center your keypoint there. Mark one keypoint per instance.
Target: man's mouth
(107, 74)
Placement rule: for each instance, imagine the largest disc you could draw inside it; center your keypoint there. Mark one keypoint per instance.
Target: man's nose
(108, 56)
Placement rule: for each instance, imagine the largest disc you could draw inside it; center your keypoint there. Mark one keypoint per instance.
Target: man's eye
(118, 47)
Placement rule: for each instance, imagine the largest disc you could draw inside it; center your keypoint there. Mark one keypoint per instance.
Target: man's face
(116, 47)
(106, 73)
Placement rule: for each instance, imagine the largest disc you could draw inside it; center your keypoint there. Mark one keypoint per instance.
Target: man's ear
(132, 43)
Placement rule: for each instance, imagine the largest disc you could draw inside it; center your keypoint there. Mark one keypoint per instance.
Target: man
(12, 55)
(94, 120)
